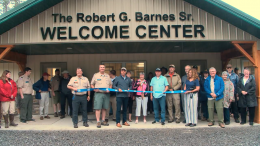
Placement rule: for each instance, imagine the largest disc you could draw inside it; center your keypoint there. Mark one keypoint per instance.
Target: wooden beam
(256, 56)
(242, 42)
(21, 66)
(245, 53)
(5, 52)
(6, 46)
(14, 57)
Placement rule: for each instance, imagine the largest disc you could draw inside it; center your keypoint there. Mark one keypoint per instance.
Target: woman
(247, 98)
(228, 96)
(191, 98)
(141, 98)
(131, 97)
(150, 102)
(8, 92)
(203, 99)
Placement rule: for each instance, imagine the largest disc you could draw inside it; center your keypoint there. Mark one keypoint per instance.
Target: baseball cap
(45, 74)
(157, 69)
(229, 65)
(172, 66)
(123, 68)
(65, 72)
(205, 71)
(195, 66)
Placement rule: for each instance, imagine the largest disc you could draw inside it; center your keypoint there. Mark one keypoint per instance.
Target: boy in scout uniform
(55, 82)
(26, 90)
(79, 98)
(101, 101)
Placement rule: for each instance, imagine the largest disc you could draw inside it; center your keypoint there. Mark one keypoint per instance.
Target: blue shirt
(159, 84)
(192, 84)
(45, 86)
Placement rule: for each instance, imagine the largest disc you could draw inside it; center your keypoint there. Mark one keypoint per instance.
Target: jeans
(121, 101)
(156, 103)
(63, 103)
(76, 101)
(204, 109)
(244, 113)
(234, 108)
(226, 115)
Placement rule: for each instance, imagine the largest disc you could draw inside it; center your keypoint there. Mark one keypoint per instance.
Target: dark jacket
(63, 85)
(202, 92)
(218, 87)
(248, 100)
(126, 84)
(38, 86)
(113, 93)
(234, 79)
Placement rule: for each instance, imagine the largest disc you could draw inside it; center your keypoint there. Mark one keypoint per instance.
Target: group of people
(207, 92)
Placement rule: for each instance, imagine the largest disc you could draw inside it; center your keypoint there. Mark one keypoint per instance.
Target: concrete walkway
(55, 123)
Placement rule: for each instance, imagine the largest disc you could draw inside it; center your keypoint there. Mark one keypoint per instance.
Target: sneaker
(237, 121)
(62, 116)
(178, 121)
(251, 123)
(23, 121)
(55, 114)
(154, 122)
(104, 123)
(106, 120)
(85, 124)
(47, 117)
(227, 123)
(98, 125)
(188, 124)
(75, 125)
(41, 118)
(193, 125)
(170, 121)
(163, 123)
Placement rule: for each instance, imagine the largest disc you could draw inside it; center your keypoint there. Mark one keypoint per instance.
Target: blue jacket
(218, 87)
(38, 86)
(234, 79)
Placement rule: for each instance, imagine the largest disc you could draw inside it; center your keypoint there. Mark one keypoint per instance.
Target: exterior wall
(89, 62)
(236, 63)
(215, 28)
(13, 67)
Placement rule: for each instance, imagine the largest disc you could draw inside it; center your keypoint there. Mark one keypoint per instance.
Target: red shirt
(7, 89)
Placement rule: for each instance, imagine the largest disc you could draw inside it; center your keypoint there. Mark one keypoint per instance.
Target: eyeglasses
(229, 67)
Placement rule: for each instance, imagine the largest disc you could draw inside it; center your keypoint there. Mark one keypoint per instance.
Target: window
(134, 67)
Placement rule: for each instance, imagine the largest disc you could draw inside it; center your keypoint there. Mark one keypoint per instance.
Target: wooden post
(256, 56)
(5, 52)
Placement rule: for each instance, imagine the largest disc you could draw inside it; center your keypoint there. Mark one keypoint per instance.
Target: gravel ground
(186, 137)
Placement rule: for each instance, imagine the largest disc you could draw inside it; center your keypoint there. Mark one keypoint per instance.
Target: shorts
(18, 101)
(56, 98)
(101, 101)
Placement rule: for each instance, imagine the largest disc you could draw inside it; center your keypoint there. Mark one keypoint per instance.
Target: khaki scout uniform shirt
(55, 82)
(79, 83)
(26, 84)
(101, 81)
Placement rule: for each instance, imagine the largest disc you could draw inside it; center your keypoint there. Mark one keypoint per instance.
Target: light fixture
(176, 46)
(69, 48)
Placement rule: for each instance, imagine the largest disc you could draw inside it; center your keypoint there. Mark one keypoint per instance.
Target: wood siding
(215, 28)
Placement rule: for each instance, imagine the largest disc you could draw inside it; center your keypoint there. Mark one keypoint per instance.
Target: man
(164, 70)
(79, 98)
(55, 82)
(122, 82)
(183, 82)
(158, 83)
(234, 79)
(101, 98)
(26, 90)
(174, 81)
(18, 98)
(112, 99)
(65, 94)
(214, 86)
(42, 88)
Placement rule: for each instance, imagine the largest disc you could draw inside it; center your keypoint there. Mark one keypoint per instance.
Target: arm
(114, 86)
(178, 84)
(222, 86)
(15, 89)
(135, 85)
(151, 94)
(36, 86)
(52, 89)
(253, 87)
(166, 88)
(206, 87)
(3, 92)
(231, 92)
(70, 85)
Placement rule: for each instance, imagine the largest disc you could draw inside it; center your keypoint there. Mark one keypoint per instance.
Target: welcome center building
(138, 34)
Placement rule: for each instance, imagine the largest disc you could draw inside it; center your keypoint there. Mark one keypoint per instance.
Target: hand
(40, 91)
(151, 98)
(214, 95)
(107, 91)
(88, 98)
(12, 97)
(120, 90)
(74, 89)
(244, 92)
(53, 94)
(211, 94)
(22, 97)
(49, 89)
(133, 98)
(237, 98)
(96, 90)
(187, 92)
(170, 89)
(230, 100)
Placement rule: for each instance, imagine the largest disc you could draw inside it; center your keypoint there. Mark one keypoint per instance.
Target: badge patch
(26, 81)
(98, 79)
(75, 82)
